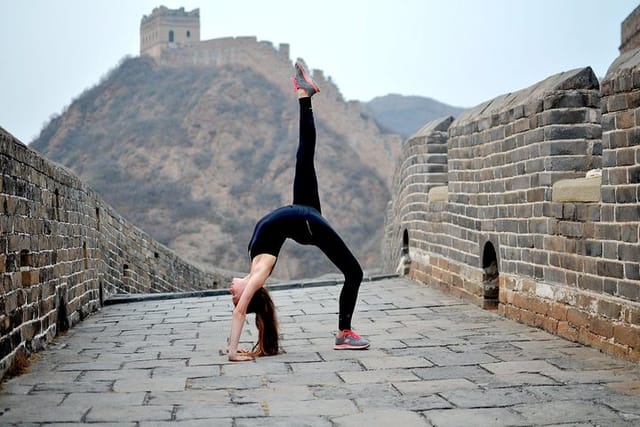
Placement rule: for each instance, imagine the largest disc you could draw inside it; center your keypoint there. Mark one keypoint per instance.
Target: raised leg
(305, 182)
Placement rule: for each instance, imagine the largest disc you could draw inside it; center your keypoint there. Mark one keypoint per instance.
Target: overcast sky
(460, 52)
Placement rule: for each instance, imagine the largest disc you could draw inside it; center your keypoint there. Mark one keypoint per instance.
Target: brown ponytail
(267, 323)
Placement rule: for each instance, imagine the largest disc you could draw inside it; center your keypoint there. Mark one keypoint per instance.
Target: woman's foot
(302, 81)
(240, 357)
(349, 340)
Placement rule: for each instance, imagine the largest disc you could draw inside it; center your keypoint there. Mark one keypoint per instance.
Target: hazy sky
(461, 52)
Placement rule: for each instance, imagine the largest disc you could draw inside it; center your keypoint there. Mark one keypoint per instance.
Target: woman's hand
(261, 267)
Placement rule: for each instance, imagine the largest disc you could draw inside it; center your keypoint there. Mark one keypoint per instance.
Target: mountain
(194, 153)
(405, 115)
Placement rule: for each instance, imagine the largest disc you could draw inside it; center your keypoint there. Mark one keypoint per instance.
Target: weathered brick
(550, 324)
(570, 229)
(631, 315)
(616, 102)
(507, 282)
(628, 335)
(554, 243)
(591, 248)
(601, 327)
(611, 269)
(506, 296)
(565, 99)
(629, 290)
(539, 305)
(625, 119)
(626, 194)
(578, 318)
(628, 252)
(610, 250)
(528, 317)
(591, 283)
(520, 300)
(616, 176)
(567, 331)
(608, 309)
(610, 286)
(513, 312)
(528, 285)
(578, 131)
(587, 212)
(587, 337)
(614, 349)
(617, 139)
(629, 233)
(554, 275)
(558, 311)
(595, 340)
(607, 212)
(502, 310)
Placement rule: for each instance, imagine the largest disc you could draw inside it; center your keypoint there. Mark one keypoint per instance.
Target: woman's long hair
(267, 323)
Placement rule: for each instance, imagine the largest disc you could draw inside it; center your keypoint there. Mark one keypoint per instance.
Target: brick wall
(422, 166)
(501, 239)
(63, 251)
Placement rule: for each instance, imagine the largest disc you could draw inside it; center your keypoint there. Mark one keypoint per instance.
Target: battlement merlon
(165, 11)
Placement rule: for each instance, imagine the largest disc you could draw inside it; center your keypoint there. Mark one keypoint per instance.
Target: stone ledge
(129, 298)
(577, 190)
(439, 194)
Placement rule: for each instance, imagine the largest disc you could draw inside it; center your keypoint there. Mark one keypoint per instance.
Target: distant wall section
(168, 28)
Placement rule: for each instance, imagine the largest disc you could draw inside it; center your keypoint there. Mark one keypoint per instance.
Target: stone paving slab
(434, 361)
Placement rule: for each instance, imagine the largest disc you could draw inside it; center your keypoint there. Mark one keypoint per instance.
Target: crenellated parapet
(540, 214)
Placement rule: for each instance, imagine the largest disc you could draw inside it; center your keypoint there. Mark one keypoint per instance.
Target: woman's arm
(261, 268)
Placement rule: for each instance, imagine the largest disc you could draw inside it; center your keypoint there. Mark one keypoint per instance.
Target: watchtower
(168, 28)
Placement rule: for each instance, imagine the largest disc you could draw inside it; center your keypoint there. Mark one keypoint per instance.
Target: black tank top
(292, 221)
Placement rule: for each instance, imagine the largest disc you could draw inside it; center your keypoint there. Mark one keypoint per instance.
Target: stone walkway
(434, 360)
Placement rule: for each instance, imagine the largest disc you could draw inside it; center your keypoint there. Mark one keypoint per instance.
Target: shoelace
(351, 334)
(295, 84)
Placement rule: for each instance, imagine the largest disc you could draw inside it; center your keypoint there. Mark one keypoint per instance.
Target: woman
(302, 221)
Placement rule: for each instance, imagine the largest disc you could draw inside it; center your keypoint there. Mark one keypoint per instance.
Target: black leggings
(305, 192)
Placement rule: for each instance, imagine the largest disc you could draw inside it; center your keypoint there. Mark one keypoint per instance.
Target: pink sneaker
(350, 341)
(303, 80)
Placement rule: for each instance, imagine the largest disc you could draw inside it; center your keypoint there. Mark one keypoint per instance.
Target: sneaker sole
(307, 79)
(350, 347)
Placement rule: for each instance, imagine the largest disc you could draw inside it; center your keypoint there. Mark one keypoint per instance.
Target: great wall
(494, 206)
(498, 206)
